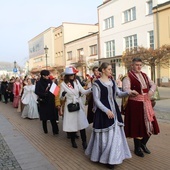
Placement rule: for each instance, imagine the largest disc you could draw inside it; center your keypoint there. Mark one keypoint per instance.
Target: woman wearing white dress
(29, 99)
(108, 143)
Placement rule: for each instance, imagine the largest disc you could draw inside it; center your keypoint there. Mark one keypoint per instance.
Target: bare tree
(151, 57)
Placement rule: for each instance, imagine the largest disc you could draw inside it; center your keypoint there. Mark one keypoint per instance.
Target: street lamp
(46, 52)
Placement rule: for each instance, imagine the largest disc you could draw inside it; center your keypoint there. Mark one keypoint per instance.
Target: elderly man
(140, 120)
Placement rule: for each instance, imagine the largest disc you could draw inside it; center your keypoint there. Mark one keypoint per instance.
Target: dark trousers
(6, 97)
(53, 124)
(11, 96)
(82, 133)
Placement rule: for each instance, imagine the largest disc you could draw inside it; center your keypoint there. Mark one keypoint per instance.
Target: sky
(22, 20)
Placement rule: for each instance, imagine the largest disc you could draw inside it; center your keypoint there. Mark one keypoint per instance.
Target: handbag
(72, 107)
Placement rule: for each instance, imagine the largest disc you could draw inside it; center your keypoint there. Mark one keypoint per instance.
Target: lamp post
(46, 52)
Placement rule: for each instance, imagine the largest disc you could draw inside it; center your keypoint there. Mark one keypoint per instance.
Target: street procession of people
(64, 100)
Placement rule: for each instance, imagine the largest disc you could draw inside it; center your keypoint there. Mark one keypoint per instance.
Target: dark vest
(101, 120)
(135, 84)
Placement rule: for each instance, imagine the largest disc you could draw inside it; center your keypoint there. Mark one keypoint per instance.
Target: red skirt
(16, 101)
(134, 120)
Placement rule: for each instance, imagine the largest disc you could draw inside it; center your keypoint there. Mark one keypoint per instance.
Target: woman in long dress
(17, 89)
(107, 143)
(29, 99)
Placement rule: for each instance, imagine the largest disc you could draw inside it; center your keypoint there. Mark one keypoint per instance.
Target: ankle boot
(44, 124)
(73, 142)
(83, 138)
(74, 145)
(137, 143)
(109, 166)
(143, 145)
(84, 145)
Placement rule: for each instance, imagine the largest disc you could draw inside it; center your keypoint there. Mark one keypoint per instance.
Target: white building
(124, 25)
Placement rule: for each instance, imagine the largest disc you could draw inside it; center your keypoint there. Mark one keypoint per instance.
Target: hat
(51, 77)
(69, 71)
(74, 69)
(44, 73)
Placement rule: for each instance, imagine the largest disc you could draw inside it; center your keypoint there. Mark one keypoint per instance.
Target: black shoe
(55, 133)
(138, 152)
(84, 145)
(145, 149)
(74, 145)
(109, 166)
(45, 131)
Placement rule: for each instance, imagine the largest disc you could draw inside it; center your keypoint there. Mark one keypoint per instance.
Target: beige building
(55, 38)
(161, 11)
(68, 32)
(82, 53)
(38, 60)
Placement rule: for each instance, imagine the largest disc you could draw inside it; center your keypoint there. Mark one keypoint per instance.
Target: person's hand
(110, 114)
(58, 107)
(64, 93)
(150, 94)
(133, 93)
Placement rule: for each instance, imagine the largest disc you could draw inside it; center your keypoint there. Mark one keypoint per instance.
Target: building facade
(55, 38)
(82, 53)
(68, 32)
(124, 27)
(161, 13)
(38, 60)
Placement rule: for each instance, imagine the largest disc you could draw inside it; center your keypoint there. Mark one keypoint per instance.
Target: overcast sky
(21, 20)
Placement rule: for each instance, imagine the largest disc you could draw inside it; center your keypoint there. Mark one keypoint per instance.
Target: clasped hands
(133, 93)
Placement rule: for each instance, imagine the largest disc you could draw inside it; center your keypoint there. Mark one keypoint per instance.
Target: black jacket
(47, 108)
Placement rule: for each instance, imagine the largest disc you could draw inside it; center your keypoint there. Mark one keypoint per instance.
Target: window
(80, 54)
(129, 15)
(149, 7)
(110, 48)
(130, 42)
(151, 39)
(93, 50)
(69, 55)
(36, 60)
(109, 23)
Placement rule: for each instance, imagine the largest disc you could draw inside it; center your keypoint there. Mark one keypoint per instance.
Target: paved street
(23, 142)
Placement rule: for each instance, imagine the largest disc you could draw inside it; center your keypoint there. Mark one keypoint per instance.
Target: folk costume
(107, 143)
(140, 120)
(17, 88)
(29, 99)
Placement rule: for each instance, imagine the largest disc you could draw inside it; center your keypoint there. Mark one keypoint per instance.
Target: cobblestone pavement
(7, 159)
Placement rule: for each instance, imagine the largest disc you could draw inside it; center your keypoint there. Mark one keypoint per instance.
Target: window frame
(110, 48)
(129, 15)
(109, 23)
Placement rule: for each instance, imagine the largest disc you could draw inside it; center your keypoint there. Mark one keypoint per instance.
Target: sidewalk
(34, 150)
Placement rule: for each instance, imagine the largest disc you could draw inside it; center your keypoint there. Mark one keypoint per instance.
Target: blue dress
(107, 143)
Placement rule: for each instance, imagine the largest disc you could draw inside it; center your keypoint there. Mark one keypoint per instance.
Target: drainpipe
(158, 45)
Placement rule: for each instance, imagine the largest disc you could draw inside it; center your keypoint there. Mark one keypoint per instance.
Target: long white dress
(29, 99)
(107, 145)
